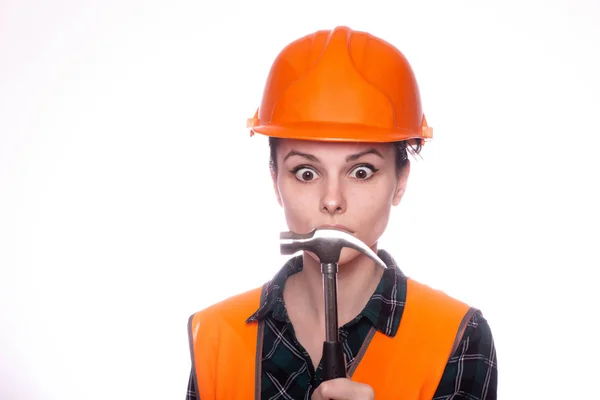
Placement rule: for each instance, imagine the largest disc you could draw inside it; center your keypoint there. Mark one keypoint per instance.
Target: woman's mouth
(338, 227)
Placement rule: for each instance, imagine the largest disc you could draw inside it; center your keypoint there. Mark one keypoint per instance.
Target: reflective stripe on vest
(226, 351)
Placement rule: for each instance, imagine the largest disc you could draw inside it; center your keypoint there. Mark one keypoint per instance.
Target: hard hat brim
(340, 133)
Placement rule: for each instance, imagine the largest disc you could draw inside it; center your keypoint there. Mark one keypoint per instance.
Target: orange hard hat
(341, 85)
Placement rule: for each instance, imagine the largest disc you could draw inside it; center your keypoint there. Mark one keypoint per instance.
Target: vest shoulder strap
(219, 336)
(412, 363)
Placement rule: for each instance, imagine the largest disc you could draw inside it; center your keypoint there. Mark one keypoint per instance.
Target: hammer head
(325, 243)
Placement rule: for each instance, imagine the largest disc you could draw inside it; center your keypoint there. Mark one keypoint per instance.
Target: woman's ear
(274, 178)
(401, 184)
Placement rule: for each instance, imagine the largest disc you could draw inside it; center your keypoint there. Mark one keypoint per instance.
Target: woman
(342, 111)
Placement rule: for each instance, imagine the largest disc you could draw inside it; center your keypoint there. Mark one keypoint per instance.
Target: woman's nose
(333, 200)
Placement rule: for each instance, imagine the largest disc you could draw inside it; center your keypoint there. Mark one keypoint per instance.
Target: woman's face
(348, 184)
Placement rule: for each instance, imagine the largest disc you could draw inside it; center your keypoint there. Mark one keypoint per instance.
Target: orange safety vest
(226, 351)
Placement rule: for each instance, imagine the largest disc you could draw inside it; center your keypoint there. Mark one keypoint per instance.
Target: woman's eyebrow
(356, 156)
(297, 153)
(352, 157)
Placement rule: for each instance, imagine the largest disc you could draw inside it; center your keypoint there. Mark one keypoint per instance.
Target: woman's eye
(305, 174)
(363, 172)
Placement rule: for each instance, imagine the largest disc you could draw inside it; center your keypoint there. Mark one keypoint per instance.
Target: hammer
(327, 244)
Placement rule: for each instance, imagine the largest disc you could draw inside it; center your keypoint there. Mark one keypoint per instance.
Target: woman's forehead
(312, 146)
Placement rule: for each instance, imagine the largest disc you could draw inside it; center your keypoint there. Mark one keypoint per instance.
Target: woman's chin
(347, 255)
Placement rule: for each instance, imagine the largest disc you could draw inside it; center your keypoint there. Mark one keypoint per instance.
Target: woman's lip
(341, 227)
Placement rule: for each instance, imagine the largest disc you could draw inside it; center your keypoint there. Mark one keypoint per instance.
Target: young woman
(342, 110)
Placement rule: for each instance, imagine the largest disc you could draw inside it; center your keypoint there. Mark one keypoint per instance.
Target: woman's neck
(357, 280)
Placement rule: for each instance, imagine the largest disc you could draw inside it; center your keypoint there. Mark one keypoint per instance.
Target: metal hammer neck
(329, 268)
(329, 271)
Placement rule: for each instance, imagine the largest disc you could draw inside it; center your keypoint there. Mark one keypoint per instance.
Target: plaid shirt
(288, 372)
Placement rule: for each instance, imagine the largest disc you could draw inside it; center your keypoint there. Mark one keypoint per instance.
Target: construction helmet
(341, 85)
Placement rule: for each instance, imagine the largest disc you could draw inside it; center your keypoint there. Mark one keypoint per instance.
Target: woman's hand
(343, 389)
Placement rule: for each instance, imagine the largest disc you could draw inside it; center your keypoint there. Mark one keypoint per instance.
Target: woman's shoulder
(426, 295)
(225, 320)
(239, 304)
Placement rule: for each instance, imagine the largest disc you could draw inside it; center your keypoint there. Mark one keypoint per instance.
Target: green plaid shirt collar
(384, 308)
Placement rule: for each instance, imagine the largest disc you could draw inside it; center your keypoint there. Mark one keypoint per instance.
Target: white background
(130, 188)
